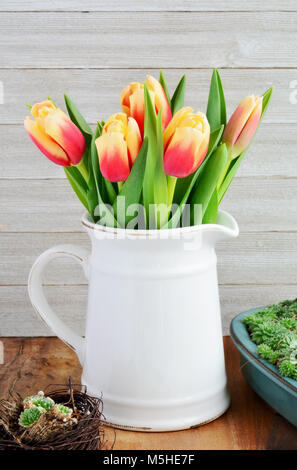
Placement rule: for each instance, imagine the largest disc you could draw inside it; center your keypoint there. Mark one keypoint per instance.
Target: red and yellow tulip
(242, 125)
(132, 101)
(186, 140)
(55, 134)
(118, 147)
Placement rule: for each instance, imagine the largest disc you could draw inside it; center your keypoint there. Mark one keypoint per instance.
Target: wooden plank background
(91, 50)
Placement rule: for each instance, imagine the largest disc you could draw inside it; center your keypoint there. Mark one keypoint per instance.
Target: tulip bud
(242, 125)
(186, 142)
(118, 147)
(132, 101)
(55, 134)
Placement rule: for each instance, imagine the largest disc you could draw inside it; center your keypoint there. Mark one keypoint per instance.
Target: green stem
(83, 171)
(171, 182)
(120, 185)
(222, 177)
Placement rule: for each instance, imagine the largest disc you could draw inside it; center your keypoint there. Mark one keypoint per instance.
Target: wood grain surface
(104, 39)
(97, 91)
(267, 259)
(91, 50)
(30, 364)
(17, 314)
(152, 5)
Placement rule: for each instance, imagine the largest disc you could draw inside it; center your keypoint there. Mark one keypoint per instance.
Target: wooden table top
(30, 364)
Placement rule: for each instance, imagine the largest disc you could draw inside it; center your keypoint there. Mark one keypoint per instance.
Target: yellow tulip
(186, 142)
(118, 147)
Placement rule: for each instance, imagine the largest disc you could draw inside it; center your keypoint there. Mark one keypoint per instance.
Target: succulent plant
(37, 405)
(274, 330)
(39, 400)
(289, 323)
(288, 369)
(269, 332)
(29, 416)
(62, 412)
(267, 353)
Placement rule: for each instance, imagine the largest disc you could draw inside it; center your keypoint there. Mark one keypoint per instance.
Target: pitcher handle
(38, 299)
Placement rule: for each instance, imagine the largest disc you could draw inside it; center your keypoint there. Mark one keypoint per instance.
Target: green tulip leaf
(78, 119)
(178, 98)
(92, 191)
(232, 170)
(209, 178)
(78, 184)
(110, 191)
(163, 82)
(216, 106)
(211, 213)
(266, 99)
(150, 131)
(131, 189)
(160, 179)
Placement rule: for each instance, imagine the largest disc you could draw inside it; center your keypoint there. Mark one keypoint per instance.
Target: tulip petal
(238, 120)
(174, 123)
(61, 129)
(248, 131)
(160, 99)
(116, 123)
(133, 139)
(45, 143)
(42, 109)
(205, 130)
(137, 108)
(126, 93)
(113, 157)
(182, 156)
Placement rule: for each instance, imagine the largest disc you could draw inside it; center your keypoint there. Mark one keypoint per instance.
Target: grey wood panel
(273, 153)
(263, 204)
(97, 92)
(259, 204)
(152, 5)
(17, 317)
(92, 57)
(127, 39)
(19, 251)
(252, 258)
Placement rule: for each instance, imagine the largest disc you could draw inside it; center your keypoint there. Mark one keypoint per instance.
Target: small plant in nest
(274, 330)
(62, 419)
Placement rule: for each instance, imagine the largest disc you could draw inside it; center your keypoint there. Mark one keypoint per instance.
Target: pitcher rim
(231, 229)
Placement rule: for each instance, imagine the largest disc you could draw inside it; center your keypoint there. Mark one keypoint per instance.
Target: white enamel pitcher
(153, 345)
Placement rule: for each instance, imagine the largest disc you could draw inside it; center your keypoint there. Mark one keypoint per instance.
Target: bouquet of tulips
(157, 164)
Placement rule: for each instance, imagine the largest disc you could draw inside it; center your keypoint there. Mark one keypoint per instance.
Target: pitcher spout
(209, 234)
(226, 227)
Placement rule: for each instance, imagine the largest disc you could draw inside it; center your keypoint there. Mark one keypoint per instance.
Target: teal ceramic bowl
(279, 392)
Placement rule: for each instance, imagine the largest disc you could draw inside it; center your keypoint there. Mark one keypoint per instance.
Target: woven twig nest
(82, 432)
